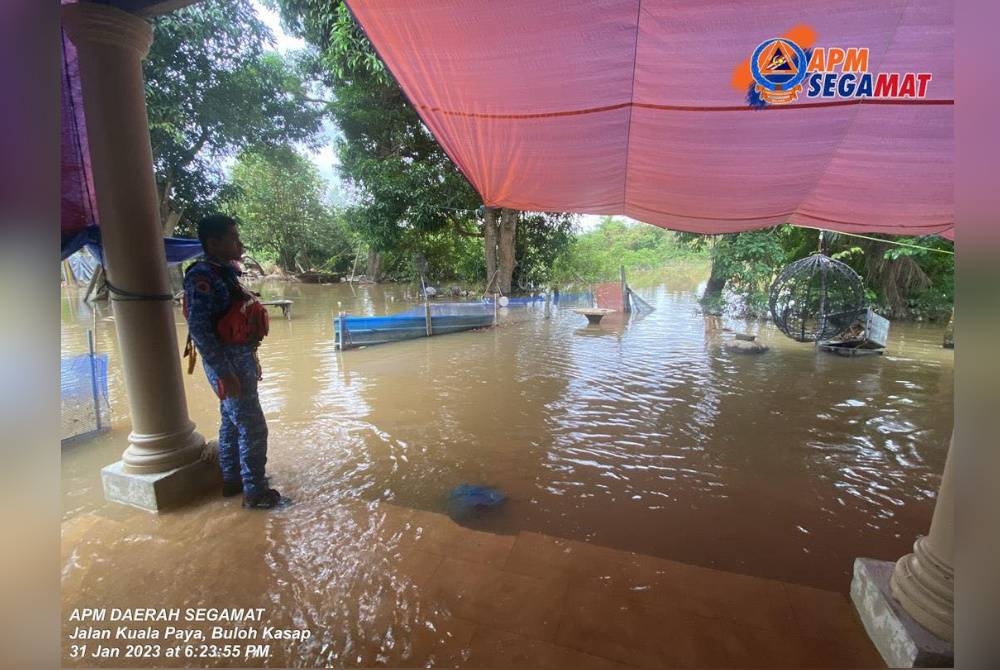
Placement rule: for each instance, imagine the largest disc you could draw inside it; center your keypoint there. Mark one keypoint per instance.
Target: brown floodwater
(643, 435)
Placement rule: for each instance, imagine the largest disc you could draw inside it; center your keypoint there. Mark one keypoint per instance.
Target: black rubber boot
(230, 489)
(266, 500)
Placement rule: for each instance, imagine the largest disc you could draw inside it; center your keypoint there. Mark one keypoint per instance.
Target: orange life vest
(245, 322)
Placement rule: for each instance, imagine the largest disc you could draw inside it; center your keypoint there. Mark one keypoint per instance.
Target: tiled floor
(484, 600)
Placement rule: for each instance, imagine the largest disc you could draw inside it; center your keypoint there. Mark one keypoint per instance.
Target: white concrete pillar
(923, 581)
(111, 45)
(908, 607)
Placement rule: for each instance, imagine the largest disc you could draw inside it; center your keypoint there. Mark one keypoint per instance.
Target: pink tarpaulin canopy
(79, 206)
(639, 107)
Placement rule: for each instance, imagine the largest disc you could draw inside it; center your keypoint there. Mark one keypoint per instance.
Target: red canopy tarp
(631, 107)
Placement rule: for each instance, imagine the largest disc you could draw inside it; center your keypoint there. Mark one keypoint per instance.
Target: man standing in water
(227, 323)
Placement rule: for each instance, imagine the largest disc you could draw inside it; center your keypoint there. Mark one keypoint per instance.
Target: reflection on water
(641, 435)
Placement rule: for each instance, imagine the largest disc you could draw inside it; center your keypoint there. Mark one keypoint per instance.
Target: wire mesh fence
(83, 391)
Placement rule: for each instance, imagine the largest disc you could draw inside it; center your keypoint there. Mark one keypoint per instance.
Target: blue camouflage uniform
(243, 433)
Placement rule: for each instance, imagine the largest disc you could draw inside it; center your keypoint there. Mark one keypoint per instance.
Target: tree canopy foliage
(903, 282)
(280, 199)
(402, 179)
(213, 89)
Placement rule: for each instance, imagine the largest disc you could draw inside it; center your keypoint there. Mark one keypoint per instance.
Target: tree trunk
(170, 224)
(949, 333)
(505, 249)
(490, 245)
(374, 266)
(249, 260)
(712, 297)
(164, 194)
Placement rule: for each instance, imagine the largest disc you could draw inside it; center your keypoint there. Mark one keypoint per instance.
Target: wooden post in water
(822, 294)
(626, 307)
(93, 379)
(496, 301)
(427, 315)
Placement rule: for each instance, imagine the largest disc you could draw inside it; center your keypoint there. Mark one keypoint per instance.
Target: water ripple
(642, 434)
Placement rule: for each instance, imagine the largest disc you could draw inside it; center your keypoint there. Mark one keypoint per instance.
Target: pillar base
(185, 447)
(162, 490)
(902, 642)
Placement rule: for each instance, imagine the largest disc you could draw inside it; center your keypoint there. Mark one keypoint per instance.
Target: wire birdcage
(816, 298)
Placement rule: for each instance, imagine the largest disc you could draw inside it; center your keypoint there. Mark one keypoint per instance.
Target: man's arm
(203, 303)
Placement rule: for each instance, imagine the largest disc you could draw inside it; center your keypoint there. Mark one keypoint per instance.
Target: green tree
(279, 198)
(405, 180)
(447, 257)
(542, 239)
(904, 282)
(212, 90)
(406, 187)
(746, 263)
(749, 262)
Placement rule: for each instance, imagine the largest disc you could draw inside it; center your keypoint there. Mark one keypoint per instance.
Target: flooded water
(642, 435)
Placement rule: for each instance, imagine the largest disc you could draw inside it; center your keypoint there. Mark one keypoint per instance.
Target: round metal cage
(816, 298)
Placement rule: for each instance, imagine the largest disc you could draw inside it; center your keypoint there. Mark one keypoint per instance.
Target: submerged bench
(285, 305)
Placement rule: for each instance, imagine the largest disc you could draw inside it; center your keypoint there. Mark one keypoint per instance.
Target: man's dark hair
(214, 226)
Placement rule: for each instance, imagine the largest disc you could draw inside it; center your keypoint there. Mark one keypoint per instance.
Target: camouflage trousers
(243, 431)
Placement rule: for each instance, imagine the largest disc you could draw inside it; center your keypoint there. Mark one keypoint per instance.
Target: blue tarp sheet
(177, 249)
(83, 265)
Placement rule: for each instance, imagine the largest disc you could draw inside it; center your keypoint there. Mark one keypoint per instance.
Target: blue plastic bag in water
(466, 499)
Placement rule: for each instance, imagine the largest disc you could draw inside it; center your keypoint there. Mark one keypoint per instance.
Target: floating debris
(745, 346)
(468, 499)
